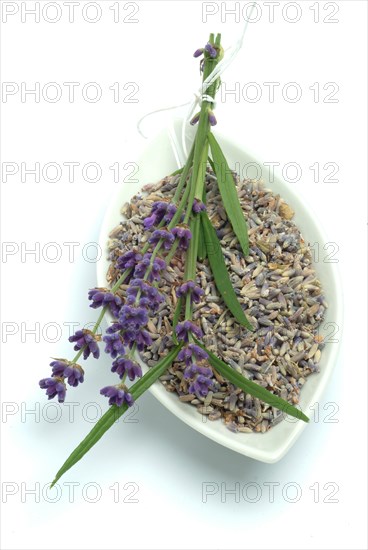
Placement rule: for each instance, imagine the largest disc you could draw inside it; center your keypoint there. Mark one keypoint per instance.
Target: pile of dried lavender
(276, 285)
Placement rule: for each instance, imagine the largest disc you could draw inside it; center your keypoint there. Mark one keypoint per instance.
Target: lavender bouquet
(179, 226)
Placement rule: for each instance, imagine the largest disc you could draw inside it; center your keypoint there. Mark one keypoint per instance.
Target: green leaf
(178, 307)
(202, 251)
(252, 388)
(114, 412)
(220, 272)
(229, 194)
(179, 171)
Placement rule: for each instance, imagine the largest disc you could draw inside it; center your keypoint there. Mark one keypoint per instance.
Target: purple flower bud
(212, 52)
(198, 206)
(133, 317)
(189, 287)
(201, 385)
(123, 365)
(211, 118)
(170, 212)
(157, 266)
(195, 119)
(198, 52)
(163, 234)
(114, 344)
(117, 396)
(183, 330)
(194, 369)
(128, 260)
(182, 232)
(192, 350)
(198, 353)
(158, 211)
(74, 374)
(142, 339)
(54, 387)
(58, 367)
(102, 297)
(87, 340)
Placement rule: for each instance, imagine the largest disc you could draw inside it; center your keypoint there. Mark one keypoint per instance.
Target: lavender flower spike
(183, 330)
(54, 387)
(74, 374)
(189, 287)
(117, 395)
(183, 233)
(201, 385)
(101, 297)
(114, 344)
(123, 365)
(87, 340)
(128, 260)
(198, 206)
(163, 234)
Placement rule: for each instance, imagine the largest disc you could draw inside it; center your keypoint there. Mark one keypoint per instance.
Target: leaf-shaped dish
(156, 161)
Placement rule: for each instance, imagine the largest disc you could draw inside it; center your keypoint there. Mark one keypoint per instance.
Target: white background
(167, 460)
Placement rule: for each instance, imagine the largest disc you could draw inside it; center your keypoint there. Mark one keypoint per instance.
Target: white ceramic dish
(156, 161)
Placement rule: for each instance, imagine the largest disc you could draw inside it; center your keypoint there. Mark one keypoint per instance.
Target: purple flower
(211, 118)
(212, 52)
(195, 119)
(200, 385)
(133, 317)
(158, 211)
(182, 232)
(163, 234)
(198, 206)
(128, 260)
(161, 210)
(198, 52)
(142, 339)
(74, 374)
(183, 329)
(102, 297)
(170, 212)
(123, 365)
(114, 344)
(58, 367)
(54, 387)
(157, 266)
(192, 350)
(117, 396)
(194, 369)
(87, 340)
(150, 297)
(189, 287)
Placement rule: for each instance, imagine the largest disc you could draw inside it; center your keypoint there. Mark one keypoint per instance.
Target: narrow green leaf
(252, 388)
(212, 165)
(114, 412)
(179, 171)
(220, 272)
(202, 251)
(229, 194)
(177, 312)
